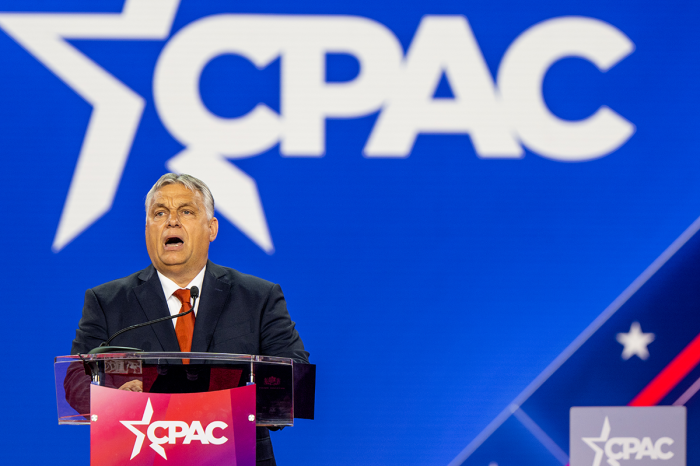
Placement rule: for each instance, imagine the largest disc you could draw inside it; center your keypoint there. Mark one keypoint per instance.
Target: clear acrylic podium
(284, 389)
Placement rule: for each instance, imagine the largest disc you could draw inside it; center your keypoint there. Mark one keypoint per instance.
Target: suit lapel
(214, 295)
(152, 300)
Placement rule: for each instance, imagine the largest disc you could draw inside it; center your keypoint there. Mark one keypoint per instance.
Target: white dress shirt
(170, 287)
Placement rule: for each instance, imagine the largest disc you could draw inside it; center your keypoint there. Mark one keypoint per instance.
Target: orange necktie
(184, 328)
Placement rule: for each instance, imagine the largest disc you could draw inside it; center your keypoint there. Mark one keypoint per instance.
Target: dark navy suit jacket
(237, 313)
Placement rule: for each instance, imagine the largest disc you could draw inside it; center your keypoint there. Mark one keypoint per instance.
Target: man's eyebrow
(189, 205)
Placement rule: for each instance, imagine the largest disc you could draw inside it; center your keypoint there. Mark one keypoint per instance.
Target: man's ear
(213, 228)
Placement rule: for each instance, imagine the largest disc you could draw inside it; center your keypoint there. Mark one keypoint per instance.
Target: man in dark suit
(236, 313)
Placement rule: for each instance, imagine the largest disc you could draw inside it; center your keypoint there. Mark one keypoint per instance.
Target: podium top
(280, 384)
(165, 356)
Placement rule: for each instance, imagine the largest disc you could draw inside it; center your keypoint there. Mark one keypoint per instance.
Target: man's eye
(159, 214)
(187, 212)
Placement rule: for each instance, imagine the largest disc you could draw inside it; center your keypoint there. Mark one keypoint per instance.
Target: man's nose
(173, 219)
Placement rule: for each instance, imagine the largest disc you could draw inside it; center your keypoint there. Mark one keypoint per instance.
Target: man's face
(178, 232)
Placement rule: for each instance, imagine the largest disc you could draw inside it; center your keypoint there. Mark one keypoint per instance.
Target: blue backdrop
(431, 286)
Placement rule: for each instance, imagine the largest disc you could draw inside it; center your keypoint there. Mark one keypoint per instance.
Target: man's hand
(132, 386)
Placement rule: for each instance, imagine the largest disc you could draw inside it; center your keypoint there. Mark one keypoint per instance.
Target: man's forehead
(176, 194)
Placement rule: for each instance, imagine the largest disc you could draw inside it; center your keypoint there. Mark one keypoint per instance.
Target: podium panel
(181, 429)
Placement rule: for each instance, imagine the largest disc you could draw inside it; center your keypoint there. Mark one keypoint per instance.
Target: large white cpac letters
(443, 44)
(307, 99)
(520, 77)
(208, 138)
(497, 119)
(176, 85)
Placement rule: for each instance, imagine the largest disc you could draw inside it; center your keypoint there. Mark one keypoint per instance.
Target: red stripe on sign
(670, 376)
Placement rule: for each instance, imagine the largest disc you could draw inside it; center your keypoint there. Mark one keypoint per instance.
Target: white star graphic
(591, 442)
(116, 116)
(140, 436)
(635, 342)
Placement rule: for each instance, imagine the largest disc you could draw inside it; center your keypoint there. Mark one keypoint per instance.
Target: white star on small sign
(604, 435)
(635, 342)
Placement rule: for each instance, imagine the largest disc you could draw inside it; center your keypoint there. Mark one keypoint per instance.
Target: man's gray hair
(188, 181)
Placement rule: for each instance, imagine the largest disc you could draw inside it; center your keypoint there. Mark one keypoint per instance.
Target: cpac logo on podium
(162, 432)
(650, 435)
(501, 116)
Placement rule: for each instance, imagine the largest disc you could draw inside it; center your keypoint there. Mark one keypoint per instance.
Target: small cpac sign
(628, 435)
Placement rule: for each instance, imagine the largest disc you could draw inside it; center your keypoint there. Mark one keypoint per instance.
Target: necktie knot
(183, 294)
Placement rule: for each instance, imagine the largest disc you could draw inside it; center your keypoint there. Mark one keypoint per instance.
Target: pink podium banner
(153, 429)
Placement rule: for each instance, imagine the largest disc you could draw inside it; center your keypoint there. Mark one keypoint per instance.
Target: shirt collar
(170, 287)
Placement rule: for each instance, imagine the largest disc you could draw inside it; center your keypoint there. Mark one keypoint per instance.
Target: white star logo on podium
(140, 436)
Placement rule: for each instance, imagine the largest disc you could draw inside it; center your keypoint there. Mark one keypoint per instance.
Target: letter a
(443, 44)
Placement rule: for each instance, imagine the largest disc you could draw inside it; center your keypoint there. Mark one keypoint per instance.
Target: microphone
(105, 348)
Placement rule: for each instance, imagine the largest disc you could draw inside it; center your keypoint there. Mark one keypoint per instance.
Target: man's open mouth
(173, 242)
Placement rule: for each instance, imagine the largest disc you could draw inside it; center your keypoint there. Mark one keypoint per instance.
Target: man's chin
(172, 260)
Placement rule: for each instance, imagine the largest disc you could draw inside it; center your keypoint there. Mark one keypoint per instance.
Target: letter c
(210, 432)
(152, 432)
(659, 443)
(609, 448)
(176, 85)
(520, 77)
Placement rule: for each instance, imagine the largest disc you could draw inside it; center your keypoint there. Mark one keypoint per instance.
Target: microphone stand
(105, 348)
